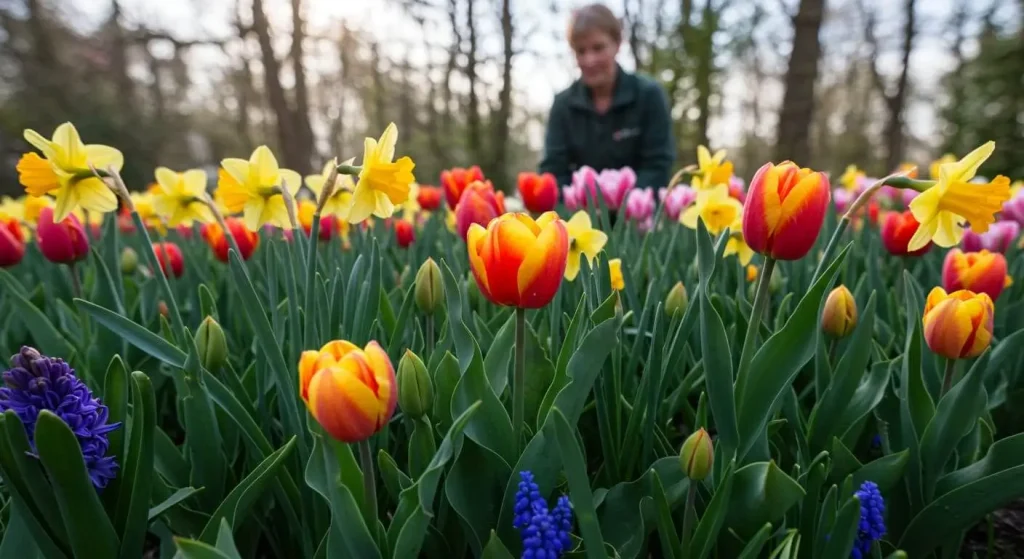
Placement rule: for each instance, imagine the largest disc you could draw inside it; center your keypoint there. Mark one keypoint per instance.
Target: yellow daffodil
(92, 219)
(752, 272)
(383, 183)
(340, 200)
(713, 169)
(615, 271)
(449, 220)
(254, 188)
(411, 207)
(946, 208)
(144, 206)
(850, 177)
(736, 243)
(178, 197)
(11, 209)
(33, 205)
(65, 171)
(933, 169)
(715, 207)
(1016, 188)
(583, 239)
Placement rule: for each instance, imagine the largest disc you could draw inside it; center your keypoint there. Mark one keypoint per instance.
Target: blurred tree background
(823, 82)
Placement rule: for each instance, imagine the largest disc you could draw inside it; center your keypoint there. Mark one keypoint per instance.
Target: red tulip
(785, 210)
(404, 233)
(169, 256)
(479, 204)
(12, 243)
(897, 230)
(539, 192)
(456, 180)
(64, 242)
(429, 198)
(247, 240)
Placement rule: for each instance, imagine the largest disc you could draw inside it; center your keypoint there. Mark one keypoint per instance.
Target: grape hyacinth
(545, 533)
(871, 527)
(36, 382)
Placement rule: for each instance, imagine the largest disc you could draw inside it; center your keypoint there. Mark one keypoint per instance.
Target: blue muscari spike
(545, 533)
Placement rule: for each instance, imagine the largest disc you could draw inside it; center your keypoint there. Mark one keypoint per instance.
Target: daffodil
(11, 209)
(411, 207)
(851, 177)
(713, 169)
(736, 243)
(583, 240)
(93, 220)
(144, 206)
(383, 183)
(450, 220)
(340, 201)
(933, 169)
(254, 188)
(33, 205)
(615, 271)
(66, 172)
(178, 197)
(1016, 188)
(946, 208)
(715, 207)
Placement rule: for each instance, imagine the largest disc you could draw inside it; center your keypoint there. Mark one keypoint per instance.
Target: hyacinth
(871, 527)
(545, 532)
(36, 382)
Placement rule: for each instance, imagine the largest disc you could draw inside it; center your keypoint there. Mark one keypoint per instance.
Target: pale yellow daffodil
(383, 183)
(411, 207)
(65, 172)
(583, 240)
(713, 169)
(179, 197)
(945, 209)
(615, 271)
(737, 244)
(715, 207)
(254, 188)
(851, 177)
(340, 201)
(933, 169)
(144, 206)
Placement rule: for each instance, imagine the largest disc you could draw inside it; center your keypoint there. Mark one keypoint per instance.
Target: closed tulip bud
(211, 344)
(478, 205)
(428, 291)
(785, 210)
(404, 233)
(980, 272)
(539, 191)
(697, 455)
(64, 242)
(415, 390)
(162, 307)
(519, 262)
(958, 325)
(350, 391)
(129, 261)
(168, 255)
(776, 282)
(12, 242)
(839, 317)
(677, 299)
(456, 180)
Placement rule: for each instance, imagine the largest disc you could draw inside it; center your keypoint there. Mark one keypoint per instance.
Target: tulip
(169, 256)
(428, 291)
(539, 192)
(785, 210)
(897, 230)
(129, 261)
(676, 200)
(584, 184)
(404, 233)
(737, 189)
(247, 240)
(307, 209)
(456, 180)
(517, 261)
(676, 300)
(697, 455)
(351, 392)
(64, 242)
(211, 344)
(415, 389)
(479, 204)
(958, 325)
(12, 242)
(1013, 209)
(614, 185)
(615, 271)
(998, 238)
(429, 198)
(640, 204)
(751, 272)
(839, 317)
(981, 272)
(571, 198)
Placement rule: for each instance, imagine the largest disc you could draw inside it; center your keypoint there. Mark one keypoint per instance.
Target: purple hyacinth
(545, 533)
(871, 527)
(36, 382)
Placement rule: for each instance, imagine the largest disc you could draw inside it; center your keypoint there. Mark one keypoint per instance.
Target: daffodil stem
(369, 484)
(947, 377)
(756, 312)
(314, 232)
(688, 517)
(519, 380)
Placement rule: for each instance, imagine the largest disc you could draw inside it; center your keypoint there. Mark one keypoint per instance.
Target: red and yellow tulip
(350, 391)
(63, 242)
(958, 325)
(456, 180)
(839, 317)
(785, 209)
(517, 261)
(479, 204)
(247, 240)
(980, 272)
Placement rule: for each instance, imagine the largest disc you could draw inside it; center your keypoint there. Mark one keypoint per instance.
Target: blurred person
(608, 118)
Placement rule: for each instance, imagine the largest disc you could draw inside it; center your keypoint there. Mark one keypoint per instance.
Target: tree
(895, 101)
(797, 110)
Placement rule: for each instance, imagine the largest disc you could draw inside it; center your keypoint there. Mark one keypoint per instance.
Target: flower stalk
(519, 380)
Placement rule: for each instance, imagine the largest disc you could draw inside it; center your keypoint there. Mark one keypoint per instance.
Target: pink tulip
(676, 200)
(640, 204)
(998, 238)
(64, 242)
(570, 199)
(584, 184)
(908, 196)
(615, 184)
(842, 199)
(737, 188)
(1013, 209)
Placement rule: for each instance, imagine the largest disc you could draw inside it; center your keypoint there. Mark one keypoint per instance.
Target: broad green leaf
(496, 362)
(706, 534)
(177, 497)
(886, 471)
(754, 545)
(46, 337)
(18, 539)
(135, 334)
(844, 532)
(1002, 455)
(579, 486)
(136, 476)
(495, 549)
(761, 493)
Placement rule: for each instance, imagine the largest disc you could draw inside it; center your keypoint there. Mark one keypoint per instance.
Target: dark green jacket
(635, 132)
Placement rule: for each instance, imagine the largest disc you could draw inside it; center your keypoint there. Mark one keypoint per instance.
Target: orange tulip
(981, 272)
(429, 197)
(539, 192)
(958, 325)
(247, 240)
(479, 204)
(456, 180)
(351, 392)
(897, 230)
(517, 261)
(785, 210)
(12, 242)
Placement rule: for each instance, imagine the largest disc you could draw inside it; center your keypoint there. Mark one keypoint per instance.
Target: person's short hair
(594, 17)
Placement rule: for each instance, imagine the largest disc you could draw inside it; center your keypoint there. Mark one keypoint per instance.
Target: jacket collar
(625, 92)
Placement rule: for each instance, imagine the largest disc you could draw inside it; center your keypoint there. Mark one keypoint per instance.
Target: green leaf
(886, 471)
(202, 436)
(236, 505)
(495, 549)
(46, 337)
(754, 545)
(192, 549)
(868, 395)
(717, 357)
(115, 397)
(446, 378)
(500, 355)
(844, 531)
(761, 493)
(394, 478)
(225, 540)
(706, 534)
(135, 334)
(177, 497)
(89, 529)
(579, 486)
(131, 518)
(18, 539)
(667, 533)
(1002, 455)
(540, 373)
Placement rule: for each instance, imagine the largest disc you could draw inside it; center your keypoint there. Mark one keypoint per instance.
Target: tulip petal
(342, 404)
(507, 243)
(540, 274)
(474, 239)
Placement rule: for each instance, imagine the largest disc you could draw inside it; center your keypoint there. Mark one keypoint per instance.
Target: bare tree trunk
(156, 88)
(633, 23)
(119, 54)
(798, 101)
(473, 118)
(286, 135)
(303, 129)
(380, 116)
(705, 67)
(499, 143)
(894, 130)
(338, 133)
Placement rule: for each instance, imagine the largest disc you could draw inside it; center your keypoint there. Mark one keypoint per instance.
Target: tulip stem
(947, 378)
(519, 380)
(688, 514)
(369, 484)
(756, 313)
(76, 284)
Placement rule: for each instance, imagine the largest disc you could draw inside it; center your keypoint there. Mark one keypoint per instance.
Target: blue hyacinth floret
(545, 532)
(36, 382)
(871, 527)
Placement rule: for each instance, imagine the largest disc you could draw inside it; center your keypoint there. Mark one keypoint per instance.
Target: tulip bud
(697, 455)
(839, 317)
(775, 282)
(428, 290)
(212, 345)
(677, 299)
(415, 390)
(129, 261)
(162, 307)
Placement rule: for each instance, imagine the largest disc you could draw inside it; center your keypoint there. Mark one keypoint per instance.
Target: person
(608, 118)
